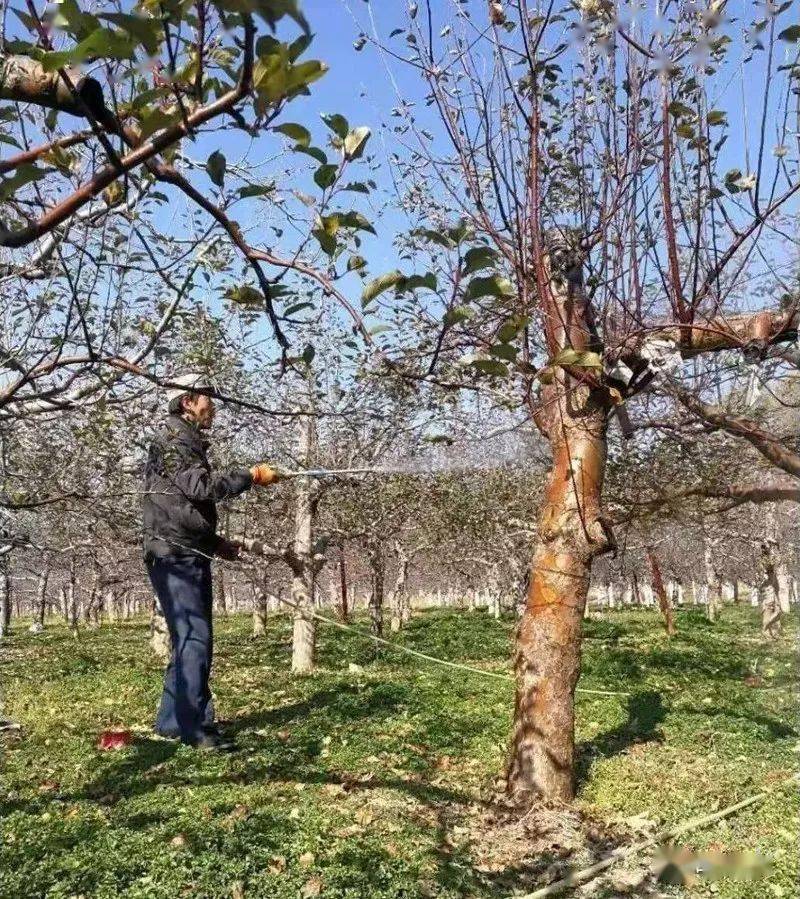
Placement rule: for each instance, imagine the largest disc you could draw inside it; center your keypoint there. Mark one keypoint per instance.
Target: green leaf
(354, 263)
(356, 187)
(493, 286)
(245, 296)
(215, 166)
(355, 142)
(337, 123)
(325, 175)
(256, 190)
(297, 133)
(102, 42)
(504, 351)
(679, 110)
(377, 286)
(491, 367)
(414, 282)
(578, 358)
(23, 174)
(356, 220)
(455, 315)
(313, 152)
(434, 237)
(298, 47)
(684, 130)
(306, 73)
(271, 11)
(329, 223)
(155, 119)
(297, 307)
(308, 353)
(717, 117)
(511, 328)
(147, 32)
(325, 232)
(478, 258)
(791, 34)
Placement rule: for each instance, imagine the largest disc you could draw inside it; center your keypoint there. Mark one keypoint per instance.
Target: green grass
(359, 783)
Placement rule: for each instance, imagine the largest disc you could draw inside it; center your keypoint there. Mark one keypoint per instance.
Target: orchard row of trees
(599, 268)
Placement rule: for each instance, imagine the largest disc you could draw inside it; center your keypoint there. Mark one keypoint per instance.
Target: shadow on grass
(646, 711)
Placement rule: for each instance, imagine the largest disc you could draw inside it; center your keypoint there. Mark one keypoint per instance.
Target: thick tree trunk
(400, 591)
(343, 610)
(72, 599)
(6, 598)
(769, 592)
(41, 602)
(304, 637)
(220, 593)
(376, 595)
(712, 582)
(571, 533)
(260, 609)
(661, 593)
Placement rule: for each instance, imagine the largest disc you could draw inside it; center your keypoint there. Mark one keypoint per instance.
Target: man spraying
(180, 539)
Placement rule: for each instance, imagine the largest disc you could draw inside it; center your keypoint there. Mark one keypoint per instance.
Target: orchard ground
(376, 777)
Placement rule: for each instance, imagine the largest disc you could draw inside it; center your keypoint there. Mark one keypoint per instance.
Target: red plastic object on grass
(114, 739)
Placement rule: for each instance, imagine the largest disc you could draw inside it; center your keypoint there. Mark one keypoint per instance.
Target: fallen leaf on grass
(306, 860)
(277, 864)
(313, 887)
(364, 816)
(178, 842)
(49, 786)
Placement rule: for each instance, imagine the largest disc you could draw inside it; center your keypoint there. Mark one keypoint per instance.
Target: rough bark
(72, 599)
(260, 609)
(220, 593)
(571, 533)
(400, 591)
(712, 582)
(377, 566)
(41, 602)
(343, 610)
(661, 593)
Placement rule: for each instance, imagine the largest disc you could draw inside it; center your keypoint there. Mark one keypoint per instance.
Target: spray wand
(330, 472)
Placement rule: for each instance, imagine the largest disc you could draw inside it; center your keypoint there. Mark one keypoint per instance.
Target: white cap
(190, 382)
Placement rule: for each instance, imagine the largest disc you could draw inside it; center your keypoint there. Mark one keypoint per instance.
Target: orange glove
(263, 475)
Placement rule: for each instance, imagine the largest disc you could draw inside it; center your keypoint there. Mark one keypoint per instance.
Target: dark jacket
(181, 493)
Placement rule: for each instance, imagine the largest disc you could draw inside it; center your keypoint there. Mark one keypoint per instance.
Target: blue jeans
(183, 588)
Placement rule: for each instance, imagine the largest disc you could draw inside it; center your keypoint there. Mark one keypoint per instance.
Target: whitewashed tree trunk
(305, 633)
(260, 609)
(72, 599)
(400, 591)
(111, 605)
(40, 611)
(611, 601)
(711, 582)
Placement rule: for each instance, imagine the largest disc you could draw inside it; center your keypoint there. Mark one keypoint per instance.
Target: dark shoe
(211, 742)
(166, 734)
